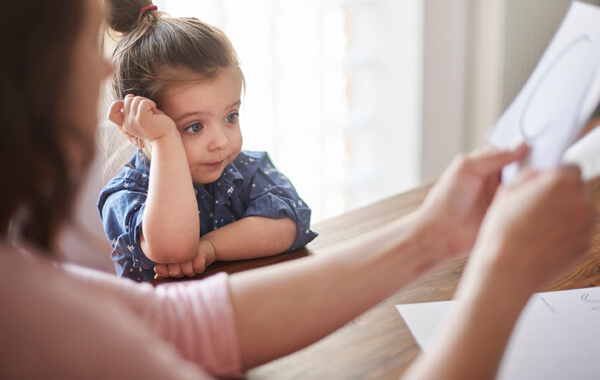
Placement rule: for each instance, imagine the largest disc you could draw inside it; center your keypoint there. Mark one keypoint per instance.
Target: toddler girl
(189, 196)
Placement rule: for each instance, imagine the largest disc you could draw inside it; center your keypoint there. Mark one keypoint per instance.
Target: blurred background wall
(358, 100)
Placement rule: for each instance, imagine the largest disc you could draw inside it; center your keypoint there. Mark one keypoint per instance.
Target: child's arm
(251, 237)
(247, 238)
(170, 224)
(275, 220)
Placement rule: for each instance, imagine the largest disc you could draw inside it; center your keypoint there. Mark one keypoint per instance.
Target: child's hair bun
(124, 15)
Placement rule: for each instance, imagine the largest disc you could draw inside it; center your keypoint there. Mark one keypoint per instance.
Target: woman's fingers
(490, 160)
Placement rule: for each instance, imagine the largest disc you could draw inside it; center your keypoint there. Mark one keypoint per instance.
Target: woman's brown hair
(37, 40)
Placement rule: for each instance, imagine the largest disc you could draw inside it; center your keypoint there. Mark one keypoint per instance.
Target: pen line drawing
(527, 134)
(547, 304)
(585, 298)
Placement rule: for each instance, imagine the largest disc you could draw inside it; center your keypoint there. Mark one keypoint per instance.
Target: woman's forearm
(523, 243)
(252, 237)
(282, 308)
(171, 227)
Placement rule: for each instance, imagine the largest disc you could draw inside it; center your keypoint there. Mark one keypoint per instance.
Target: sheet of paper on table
(559, 96)
(556, 337)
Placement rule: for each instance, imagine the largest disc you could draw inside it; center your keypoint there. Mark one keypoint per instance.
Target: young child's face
(206, 114)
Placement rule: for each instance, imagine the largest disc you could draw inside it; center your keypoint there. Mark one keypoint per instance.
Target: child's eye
(232, 118)
(194, 128)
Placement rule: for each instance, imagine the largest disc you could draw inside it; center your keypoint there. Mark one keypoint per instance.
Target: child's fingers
(127, 103)
(115, 113)
(199, 264)
(130, 107)
(188, 269)
(135, 105)
(145, 105)
(175, 270)
(161, 270)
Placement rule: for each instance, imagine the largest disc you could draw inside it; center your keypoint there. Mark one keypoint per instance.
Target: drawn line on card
(532, 133)
(585, 298)
(547, 304)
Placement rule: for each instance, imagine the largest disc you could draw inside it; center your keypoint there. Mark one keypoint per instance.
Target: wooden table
(378, 344)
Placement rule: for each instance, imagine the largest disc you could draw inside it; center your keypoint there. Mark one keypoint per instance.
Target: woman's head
(50, 73)
(155, 50)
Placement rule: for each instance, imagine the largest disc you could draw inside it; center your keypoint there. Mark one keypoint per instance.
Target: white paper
(586, 154)
(559, 96)
(556, 337)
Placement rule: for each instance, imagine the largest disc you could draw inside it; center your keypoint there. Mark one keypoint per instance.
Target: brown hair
(34, 72)
(152, 45)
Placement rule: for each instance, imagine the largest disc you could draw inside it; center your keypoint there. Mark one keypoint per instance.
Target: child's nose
(218, 139)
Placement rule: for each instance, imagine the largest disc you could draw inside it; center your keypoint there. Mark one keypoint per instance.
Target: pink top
(64, 321)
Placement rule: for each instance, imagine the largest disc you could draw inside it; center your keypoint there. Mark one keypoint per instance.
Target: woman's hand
(536, 229)
(140, 120)
(206, 256)
(459, 200)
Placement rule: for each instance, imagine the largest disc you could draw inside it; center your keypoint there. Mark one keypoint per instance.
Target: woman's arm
(525, 242)
(273, 311)
(170, 225)
(282, 308)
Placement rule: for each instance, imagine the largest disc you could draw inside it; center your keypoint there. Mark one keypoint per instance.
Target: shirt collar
(231, 174)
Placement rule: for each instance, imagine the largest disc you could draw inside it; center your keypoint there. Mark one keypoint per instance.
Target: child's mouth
(215, 165)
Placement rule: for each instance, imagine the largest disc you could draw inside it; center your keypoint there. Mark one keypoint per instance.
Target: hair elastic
(149, 8)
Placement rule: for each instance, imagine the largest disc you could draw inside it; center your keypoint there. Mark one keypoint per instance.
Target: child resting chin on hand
(189, 196)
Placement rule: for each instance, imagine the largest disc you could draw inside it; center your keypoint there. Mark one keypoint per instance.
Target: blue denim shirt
(249, 186)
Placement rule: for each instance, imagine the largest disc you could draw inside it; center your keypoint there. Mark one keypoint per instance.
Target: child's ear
(133, 139)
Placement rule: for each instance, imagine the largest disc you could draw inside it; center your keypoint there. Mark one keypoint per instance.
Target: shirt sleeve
(122, 208)
(272, 195)
(196, 317)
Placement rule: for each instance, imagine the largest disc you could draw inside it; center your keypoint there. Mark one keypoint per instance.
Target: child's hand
(140, 120)
(206, 255)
